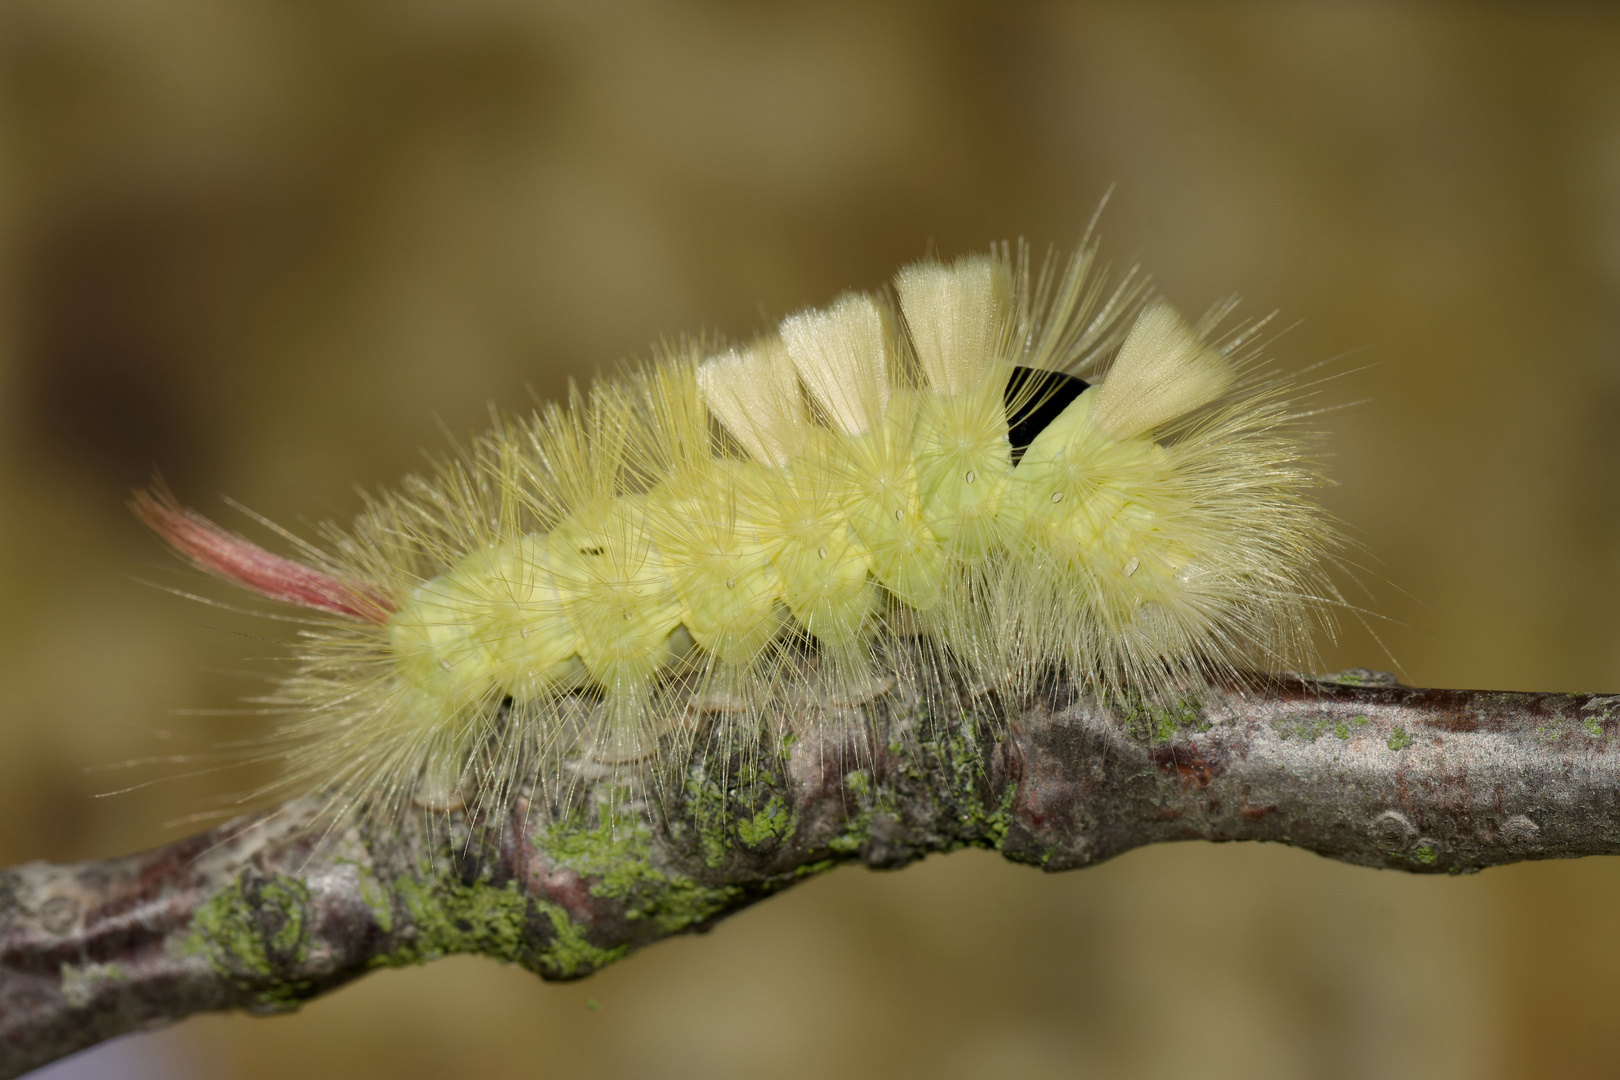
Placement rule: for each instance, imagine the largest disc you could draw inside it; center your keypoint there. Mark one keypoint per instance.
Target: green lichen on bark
(571, 954)
(996, 822)
(956, 751)
(253, 932)
(501, 922)
(871, 801)
(773, 821)
(735, 804)
(452, 917)
(619, 860)
(1343, 729)
(1600, 711)
(732, 836)
(455, 904)
(376, 898)
(1358, 677)
(1160, 722)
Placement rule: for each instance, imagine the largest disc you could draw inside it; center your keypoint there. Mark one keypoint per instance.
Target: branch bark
(258, 915)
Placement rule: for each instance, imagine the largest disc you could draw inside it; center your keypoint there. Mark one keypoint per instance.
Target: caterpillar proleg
(1015, 472)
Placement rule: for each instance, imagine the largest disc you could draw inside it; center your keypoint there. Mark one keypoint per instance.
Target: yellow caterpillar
(746, 533)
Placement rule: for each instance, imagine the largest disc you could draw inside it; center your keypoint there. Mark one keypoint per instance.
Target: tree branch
(257, 915)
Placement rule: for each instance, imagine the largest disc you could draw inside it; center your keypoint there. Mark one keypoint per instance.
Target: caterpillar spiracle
(1022, 472)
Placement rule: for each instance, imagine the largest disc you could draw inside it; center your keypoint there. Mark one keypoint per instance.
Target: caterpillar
(1023, 470)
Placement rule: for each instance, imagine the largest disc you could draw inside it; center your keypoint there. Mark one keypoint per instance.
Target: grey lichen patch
(80, 982)
(253, 932)
(1399, 739)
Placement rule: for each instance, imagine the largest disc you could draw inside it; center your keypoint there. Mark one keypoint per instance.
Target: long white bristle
(958, 316)
(754, 392)
(840, 353)
(1163, 371)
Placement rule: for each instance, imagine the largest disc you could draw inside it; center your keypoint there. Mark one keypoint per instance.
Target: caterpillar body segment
(738, 532)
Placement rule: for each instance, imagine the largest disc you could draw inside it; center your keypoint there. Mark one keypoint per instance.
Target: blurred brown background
(264, 246)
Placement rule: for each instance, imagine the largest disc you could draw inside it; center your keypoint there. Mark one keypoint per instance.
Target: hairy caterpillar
(732, 534)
